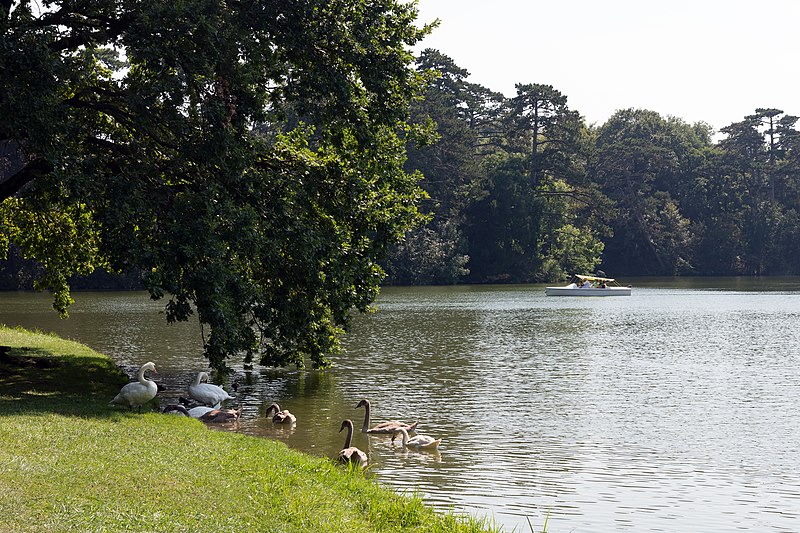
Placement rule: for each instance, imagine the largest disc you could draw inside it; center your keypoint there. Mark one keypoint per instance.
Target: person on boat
(586, 284)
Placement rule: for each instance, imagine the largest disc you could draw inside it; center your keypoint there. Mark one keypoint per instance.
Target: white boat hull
(572, 290)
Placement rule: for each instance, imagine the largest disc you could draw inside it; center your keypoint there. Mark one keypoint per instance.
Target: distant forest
(522, 190)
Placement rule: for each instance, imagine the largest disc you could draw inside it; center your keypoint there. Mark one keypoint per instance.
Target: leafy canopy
(246, 156)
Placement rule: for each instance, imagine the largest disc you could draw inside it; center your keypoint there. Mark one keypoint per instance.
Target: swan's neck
(197, 379)
(141, 376)
(405, 436)
(366, 417)
(181, 409)
(349, 436)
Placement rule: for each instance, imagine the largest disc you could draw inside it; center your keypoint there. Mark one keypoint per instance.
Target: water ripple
(672, 410)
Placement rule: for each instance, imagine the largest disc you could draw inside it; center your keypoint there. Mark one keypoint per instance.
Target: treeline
(522, 190)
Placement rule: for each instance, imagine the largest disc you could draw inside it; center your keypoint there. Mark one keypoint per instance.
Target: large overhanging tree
(246, 156)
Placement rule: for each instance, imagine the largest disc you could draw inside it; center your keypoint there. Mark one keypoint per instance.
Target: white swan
(139, 392)
(199, 411)
(281, 417)
(351, 454)
(205, 414)
(194, 412)
(384, 428)
(207, 393)
(420, 442)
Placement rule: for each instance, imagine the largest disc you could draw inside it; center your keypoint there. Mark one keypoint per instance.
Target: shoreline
(69, 461)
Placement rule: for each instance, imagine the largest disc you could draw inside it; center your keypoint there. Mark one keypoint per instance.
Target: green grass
(71, 462)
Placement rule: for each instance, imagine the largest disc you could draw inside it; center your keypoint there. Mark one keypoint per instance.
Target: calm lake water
(675, 409)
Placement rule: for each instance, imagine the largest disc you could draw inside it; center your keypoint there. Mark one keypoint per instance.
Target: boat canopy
(592, 278)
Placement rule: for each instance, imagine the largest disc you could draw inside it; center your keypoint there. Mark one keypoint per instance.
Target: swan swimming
(281, 417)
(351, 454)
(140, 392)
(420, 442)
(207, 393)
(384, 428)
(221, 416)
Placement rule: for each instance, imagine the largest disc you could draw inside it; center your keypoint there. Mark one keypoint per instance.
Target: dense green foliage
(71, 462)
(523, 190)
(263, 165)
(247, 157)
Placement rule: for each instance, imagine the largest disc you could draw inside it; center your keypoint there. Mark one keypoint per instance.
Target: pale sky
(714, 61)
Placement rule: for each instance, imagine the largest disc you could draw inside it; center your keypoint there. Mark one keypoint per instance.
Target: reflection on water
(672, 410)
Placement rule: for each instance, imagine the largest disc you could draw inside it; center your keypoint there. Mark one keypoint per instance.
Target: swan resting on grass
(351, 454)
(207, 393)
(206, 414)
(139, 392)
(384, 428)
(419, 442)
(191, 409)
(281, 417)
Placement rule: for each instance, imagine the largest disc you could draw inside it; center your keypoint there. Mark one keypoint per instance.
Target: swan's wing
(119, 399)
(284, 417)
(133, 394)
(209, 394)
(353, 455)
(391, 426)
(424, 441)
(220, 416)
(433, 445)
(218, 391)
(197, 412)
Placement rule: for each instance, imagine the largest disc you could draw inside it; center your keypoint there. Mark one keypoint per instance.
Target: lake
(674, 409)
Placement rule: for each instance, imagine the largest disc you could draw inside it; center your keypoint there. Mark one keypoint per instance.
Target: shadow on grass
(34, 380)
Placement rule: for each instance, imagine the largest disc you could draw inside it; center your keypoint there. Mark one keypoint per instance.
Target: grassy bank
(71, 462)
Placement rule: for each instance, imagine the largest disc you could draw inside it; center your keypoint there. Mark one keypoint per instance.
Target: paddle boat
(590, 286)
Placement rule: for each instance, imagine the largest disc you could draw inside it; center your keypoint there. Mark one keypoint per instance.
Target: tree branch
(123, 117)
(113, 29)
(15, 182)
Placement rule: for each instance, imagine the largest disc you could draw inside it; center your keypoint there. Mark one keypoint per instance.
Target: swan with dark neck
(351, 454)
(206, 414)
(221, 416)
(281, 417)
(384, 428)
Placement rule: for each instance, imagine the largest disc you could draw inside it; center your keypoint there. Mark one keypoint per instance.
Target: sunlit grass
(544, 527)
(71, 462)
(43, 344)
